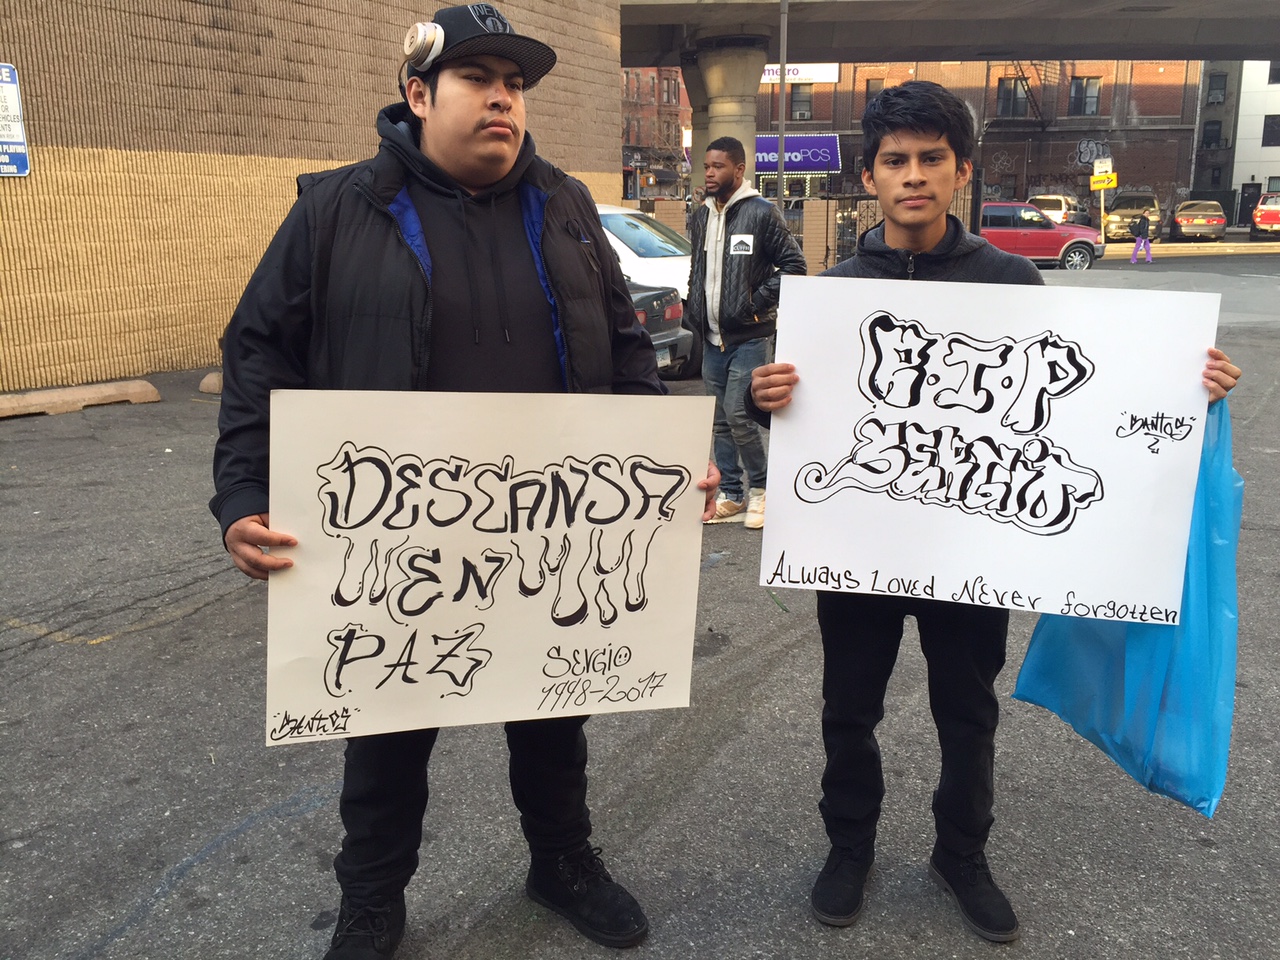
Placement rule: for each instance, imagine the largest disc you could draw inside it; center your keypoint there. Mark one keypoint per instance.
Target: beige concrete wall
(158, 178)
(671, 213)
(819, 235)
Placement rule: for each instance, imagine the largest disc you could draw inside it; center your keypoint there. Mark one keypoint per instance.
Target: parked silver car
(1127, 207)
(1198, 220)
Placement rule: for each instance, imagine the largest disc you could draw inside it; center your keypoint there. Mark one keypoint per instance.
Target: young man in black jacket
(741, 249)
(456, 259)
(917, 143)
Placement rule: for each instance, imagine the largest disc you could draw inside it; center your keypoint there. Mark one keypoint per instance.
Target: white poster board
(470, 558)
(1025, 447)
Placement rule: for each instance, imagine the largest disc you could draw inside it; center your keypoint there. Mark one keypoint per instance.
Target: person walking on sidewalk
(741, 249)
(456, 259)
(917, 142)
(1141, 230)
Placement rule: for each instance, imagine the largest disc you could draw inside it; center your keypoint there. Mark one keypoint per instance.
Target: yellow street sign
(1104, 181)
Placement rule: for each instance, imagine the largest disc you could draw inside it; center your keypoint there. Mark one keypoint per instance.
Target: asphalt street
(142, 817)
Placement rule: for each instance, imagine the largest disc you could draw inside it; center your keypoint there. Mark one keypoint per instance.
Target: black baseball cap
(479, 29)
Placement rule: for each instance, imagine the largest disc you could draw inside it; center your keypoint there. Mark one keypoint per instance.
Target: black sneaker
(368, 932)
(984, 909)
(578, 887)
(837, 896)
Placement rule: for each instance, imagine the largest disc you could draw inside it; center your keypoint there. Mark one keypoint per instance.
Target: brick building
(1041, 123)
(655, 115)
(164, 142)
(1214, 146)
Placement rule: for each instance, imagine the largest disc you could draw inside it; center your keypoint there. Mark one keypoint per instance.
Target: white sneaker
(728, 511)
(755, 509)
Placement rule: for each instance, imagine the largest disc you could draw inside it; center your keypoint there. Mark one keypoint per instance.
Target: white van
(1061, 208)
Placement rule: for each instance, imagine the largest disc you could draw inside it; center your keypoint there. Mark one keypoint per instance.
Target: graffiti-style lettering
(908, 370)
(1036, 486)
(905, 366)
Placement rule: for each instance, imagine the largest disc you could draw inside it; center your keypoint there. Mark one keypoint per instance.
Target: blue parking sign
(14, 160)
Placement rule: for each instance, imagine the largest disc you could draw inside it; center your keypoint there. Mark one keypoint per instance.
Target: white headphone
(422, 44)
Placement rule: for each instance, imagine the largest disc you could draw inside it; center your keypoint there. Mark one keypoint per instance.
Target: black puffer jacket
(749, 284)
(342, 300)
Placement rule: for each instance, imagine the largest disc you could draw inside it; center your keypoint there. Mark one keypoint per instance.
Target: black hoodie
(485, 335)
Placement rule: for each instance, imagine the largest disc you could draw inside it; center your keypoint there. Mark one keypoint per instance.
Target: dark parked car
(1023, 229)
(1198, 220)
(661, 311)
(1266, 217)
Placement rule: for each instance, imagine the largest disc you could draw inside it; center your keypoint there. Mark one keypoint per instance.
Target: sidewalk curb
(71, 399)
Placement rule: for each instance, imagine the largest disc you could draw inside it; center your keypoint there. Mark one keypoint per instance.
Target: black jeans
(384, 798)
(964, 646)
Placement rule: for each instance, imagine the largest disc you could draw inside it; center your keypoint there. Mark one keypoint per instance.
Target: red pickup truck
(1266, 217)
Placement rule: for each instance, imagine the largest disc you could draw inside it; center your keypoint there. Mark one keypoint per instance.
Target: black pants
(384, 798)
(965, 648)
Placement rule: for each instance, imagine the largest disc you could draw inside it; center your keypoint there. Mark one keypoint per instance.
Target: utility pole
(782, 107)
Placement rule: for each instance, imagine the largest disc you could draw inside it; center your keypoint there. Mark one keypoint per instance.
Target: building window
(1085, 92)
(802, 101)
(1011, 98)
(874, 87)
(1271, 130)
(1212, 138)
(1274, 75)
(1273, 184)
(1217, 91)
(653, 89)
(1215, 177)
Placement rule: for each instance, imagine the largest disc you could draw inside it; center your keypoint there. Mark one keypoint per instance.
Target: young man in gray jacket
(917, 141)
(741, 248)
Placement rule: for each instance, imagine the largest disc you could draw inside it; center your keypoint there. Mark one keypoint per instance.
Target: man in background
(741, 249)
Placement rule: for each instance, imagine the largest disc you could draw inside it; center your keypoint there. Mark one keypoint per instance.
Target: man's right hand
(771, 385)
(245, 539)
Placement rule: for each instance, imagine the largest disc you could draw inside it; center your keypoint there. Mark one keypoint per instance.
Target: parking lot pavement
(142, 817)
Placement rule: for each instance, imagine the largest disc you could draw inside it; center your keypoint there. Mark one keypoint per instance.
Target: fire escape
(1049, 73)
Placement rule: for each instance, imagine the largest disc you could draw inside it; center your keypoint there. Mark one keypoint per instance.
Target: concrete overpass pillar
(696, 88)
(731, 69)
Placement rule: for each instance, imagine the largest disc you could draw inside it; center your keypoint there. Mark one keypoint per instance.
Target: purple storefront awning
(806, 153)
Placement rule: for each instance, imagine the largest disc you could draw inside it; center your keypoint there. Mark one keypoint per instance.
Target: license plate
(664, 358)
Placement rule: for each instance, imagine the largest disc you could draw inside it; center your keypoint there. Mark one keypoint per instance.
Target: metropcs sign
(806, 153)
(803, 73)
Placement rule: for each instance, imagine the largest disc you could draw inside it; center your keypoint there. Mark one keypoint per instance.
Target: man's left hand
(711, 483)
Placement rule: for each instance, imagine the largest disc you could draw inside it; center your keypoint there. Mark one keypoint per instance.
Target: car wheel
(1076, 258)
(693, 366)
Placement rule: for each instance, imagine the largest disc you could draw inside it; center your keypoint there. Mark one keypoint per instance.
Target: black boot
(984, 909)
(838, 893)
(369, 932)
(578, 887)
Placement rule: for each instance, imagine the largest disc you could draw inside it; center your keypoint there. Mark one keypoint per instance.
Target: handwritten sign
(471, 558)
(1032, 448)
